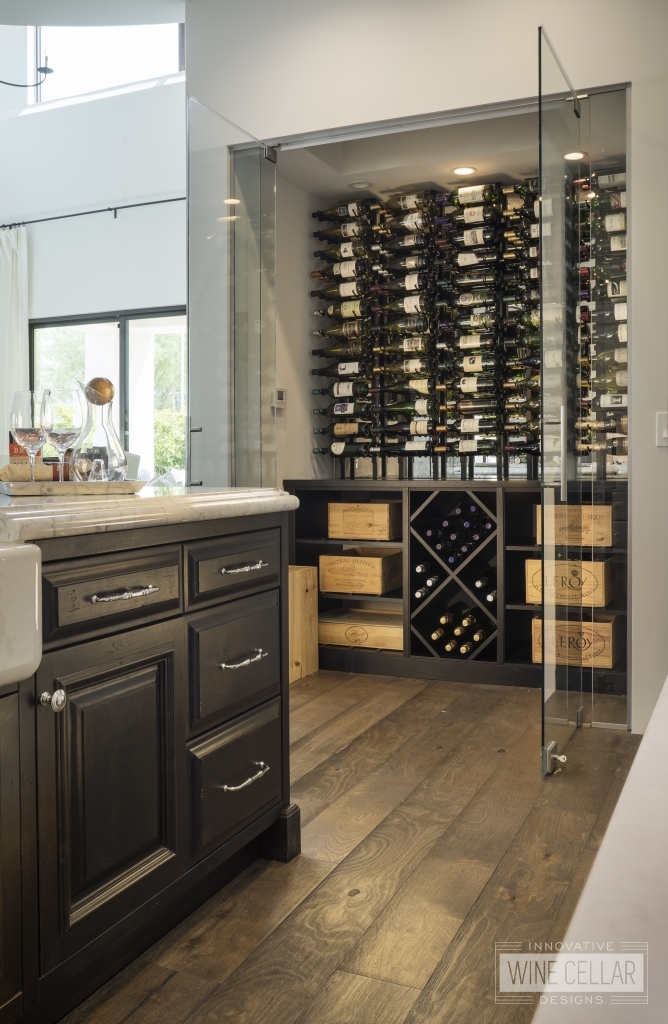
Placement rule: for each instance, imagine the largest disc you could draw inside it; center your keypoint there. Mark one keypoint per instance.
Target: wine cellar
(465, 362)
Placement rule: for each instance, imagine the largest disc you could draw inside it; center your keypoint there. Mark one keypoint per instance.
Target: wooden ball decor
(99, 391)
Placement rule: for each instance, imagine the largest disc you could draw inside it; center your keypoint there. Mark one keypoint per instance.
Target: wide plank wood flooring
(428, 834)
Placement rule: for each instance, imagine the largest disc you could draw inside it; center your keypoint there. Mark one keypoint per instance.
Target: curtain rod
(87, 213)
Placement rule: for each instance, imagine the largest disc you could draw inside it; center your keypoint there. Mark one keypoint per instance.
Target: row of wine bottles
(461, 627)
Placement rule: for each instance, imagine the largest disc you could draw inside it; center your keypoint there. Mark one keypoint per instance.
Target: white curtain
(14, 367)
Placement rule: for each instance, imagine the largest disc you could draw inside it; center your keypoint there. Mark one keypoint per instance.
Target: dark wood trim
(358, 659)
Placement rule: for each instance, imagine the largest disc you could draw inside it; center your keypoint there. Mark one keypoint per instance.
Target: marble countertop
(28, 519)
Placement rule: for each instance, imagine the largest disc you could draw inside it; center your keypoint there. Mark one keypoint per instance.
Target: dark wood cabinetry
(164, 766)
(10, 862)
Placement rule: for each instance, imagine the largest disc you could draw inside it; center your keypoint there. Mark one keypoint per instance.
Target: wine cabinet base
(356, 659)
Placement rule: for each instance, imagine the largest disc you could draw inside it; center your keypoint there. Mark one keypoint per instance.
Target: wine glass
(62, 420)
(26, 425)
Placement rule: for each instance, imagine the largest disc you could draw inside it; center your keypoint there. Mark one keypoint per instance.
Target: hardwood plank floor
(428, 834)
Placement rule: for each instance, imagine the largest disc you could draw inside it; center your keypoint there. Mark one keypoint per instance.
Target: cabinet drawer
(92, 594)
(229, 565)
(234, 658)
(236, 774)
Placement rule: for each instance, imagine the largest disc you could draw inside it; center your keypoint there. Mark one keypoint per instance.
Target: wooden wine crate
(588, 525)
(375, 520)
(355, 627)
(303, 620)
(361, 571)
(590, 584)
(593, 644)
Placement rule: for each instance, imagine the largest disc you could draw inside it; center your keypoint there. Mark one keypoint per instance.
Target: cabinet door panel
(10, 862)
(244, 637)
(108, 777)
(236, 775)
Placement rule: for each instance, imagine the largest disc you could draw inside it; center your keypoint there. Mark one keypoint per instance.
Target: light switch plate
(662, 430)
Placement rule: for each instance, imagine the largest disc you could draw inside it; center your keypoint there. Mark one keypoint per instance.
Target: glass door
(231, 304)
(561, 576)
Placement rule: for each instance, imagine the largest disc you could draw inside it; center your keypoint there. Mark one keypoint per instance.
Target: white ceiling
(91, 12)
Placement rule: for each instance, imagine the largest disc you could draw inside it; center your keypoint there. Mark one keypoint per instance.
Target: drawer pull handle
(264, 768)
(248, 660)
(244, 568)
(127, 595)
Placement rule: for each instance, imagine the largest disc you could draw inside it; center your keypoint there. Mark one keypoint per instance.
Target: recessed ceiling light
(464, 170)
(231, 202)
(574, 156)
(359, 184)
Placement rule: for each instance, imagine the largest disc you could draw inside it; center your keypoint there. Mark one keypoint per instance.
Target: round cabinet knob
(56, 700)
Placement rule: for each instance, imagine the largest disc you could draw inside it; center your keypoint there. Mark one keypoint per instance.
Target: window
(102, 57)
(144, 354)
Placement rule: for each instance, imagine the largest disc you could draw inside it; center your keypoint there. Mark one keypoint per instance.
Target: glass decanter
(98, 454)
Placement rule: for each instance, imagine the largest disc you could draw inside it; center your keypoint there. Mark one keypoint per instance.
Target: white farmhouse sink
(20, 611)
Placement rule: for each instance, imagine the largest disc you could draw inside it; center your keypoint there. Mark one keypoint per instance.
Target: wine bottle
(342, 450)
(451, 646)
(474, 258)
(416, 366)
(345, 329)
(484, 581)
(413, 324)
(480, 297)
(438, 633)
(473, 446)
(416, 220)
(344, 389)
(419, 303)
(530, 448)
(345, 269)
(476, 363)
(453, 612)
(613, 424)
(411, 201)
(347, 229)
(491, 596)
(415, 262)
(345, 210)
(346, 350)
(474, 237)
(345, 409)
(467, 194)
(348, 369)
(477, 321)
(475, 279)
(357, 288)
(418, 407)
(344, 310)
(418, 428)
(406, 283)
(411, 343)
(612, 380)
(345, 428)
(612, 445)
(471, 342)
(477, 382)
(421, 385)
(423, 567)
(348, 250)
(466, 647)
(422, 446)
(418, 240)
(465, 215)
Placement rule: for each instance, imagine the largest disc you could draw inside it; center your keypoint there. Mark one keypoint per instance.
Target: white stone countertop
(28, 519)
(625, 899)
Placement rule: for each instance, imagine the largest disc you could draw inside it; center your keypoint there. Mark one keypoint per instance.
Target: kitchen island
(145, 762)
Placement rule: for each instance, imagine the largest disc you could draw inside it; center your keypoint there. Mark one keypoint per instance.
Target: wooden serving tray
(68, 488)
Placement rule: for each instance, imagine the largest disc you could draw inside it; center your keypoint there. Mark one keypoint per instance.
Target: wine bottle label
(421, 384)
(410, 240)
(552, 358)
(466, 259)
(612, 401)
(615, 222)
(469, 341)
(347, 250)
(606, 180)
(618, 200)
(473, 364)
(535, 231)
(422, 406)
(420, 427)
(411, 263)
(468, 445)
(350, 230)
(408, 202)
(343, 390)
(413, 304)
(533, 252)
(419, 445)
(518, 438)
(621, 311)
(471, 194)
(474, 236)
(534, 273)
(616, 288)
(345, 269)
(412, 366)
(348, 368)
(474, 215)
(622, 378)
(466, 299)
(469, 426)
(623, 333)
(618, 243)
(412, 221)
(351, 308)
(352, 209)
(347, 288)
(341, 429)
(344, 408)
(621, 355)
(415, 344)
(468, 384)
(478, 320)
(336, 448)
(411, 281)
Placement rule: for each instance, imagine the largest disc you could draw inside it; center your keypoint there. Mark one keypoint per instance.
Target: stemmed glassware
(26, 425)
(62, 420)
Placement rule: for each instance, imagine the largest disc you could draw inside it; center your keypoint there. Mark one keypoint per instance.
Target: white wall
(123, 146)
(294, 323)
(287, 89)
(14, 65)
